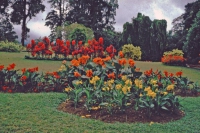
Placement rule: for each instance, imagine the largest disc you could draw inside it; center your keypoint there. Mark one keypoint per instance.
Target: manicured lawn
(38, 113)
(46, 65)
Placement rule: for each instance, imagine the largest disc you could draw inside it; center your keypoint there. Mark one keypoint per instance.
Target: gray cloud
(155, 9)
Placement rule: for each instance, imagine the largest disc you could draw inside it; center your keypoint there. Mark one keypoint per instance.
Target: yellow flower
(94, 80)
(124, 90)
(151, 94)
(141, 95)
(128, 82)
(151, 123)
(103, 89)
(153, 82)
(118, 86)
(124, 77)
(68, 89)
(140, 86)
(138, 83)
(165, 93)
(79, 82)
(147, 88)
(108, 88)
(156, 90)
(95, 108)
(170, 87)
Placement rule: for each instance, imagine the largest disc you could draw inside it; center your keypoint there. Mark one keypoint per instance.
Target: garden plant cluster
(63, 50)
(110, 83)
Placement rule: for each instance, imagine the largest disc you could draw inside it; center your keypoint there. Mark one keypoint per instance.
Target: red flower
(4, 88)
(89, 42)
(166, 73)
(179, 74)
(1, 67)
(12, 66)
(68, 43)
(23, 78)
(9, 91)
(73, 42)
(23, 70)
(101, 40)
(171, 74)
(80, 43)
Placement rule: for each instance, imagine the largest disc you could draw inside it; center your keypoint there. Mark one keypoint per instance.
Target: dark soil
(129, 116)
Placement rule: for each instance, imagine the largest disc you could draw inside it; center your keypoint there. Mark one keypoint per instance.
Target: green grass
(46, 65)
(21, 112)
(18, 58)
(38, 113)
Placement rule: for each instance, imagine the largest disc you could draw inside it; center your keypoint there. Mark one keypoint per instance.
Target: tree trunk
(24, 24)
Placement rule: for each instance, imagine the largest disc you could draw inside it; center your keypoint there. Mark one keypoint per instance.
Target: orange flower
(122, 61)
(89, 73)
(148, 72)
(98, 61)
(75, 62)
(1, 67)
(83, 60)
(121, 54)
(120, 75)
(179, 74)
(131, 62)
(76, 74)
(107, 58)
(111, 75)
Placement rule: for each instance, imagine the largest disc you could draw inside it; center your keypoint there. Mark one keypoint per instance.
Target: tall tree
(6, 30)
(149, 35)
(24, 10)
(57, 16)
(6, 27)
(96, 14)
(193, 41)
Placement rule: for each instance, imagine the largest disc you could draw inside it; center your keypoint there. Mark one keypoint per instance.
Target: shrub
(174, 52)
(69, 30)
(174, 57)
(131, 51)
(10, 46)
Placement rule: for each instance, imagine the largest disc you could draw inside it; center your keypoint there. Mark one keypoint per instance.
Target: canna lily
(111, 75)
(131, 62)
(122, 61)
(75, 62)
(76, 74)
(179, 74)
(1, 67)
(121, 54)
(89, 73)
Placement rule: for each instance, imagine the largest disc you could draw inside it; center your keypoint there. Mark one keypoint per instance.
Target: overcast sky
(155, 9)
